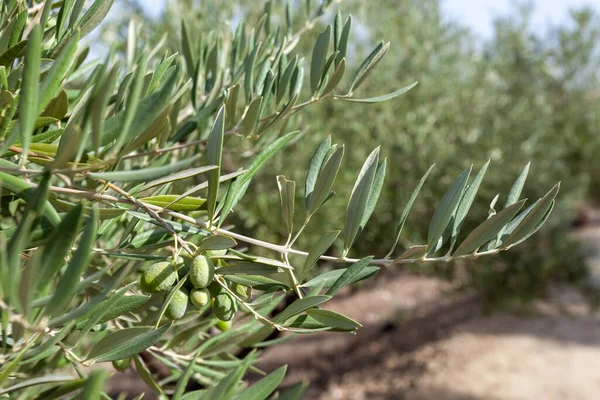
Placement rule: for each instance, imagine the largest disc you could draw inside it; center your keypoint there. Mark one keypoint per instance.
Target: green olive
(178, 305)
(224, 326)
(122, 364)
(224, 306)
(158, 277)
(240, 290)
(201, 272)
(200, 297)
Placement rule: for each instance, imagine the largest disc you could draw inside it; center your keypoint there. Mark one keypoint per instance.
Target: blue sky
(477, 14)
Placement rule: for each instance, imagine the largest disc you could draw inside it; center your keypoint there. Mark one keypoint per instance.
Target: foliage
(522, 95)
(117, 184)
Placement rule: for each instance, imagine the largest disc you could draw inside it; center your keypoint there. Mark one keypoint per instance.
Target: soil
(421, 342)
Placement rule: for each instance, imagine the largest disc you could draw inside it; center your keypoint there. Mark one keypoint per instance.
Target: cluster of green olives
(200, 288)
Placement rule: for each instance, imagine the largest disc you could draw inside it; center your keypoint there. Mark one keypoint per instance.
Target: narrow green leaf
(75, 13)
(146, 375)
(16, 30)
(381, 98)
(102, 310)
(373, 196)
(144, 175)
(238, 187)
(125, 343)
(349, 275)
(216, 242)
(327, 279)
(531, 221)
(62, 390)
(100, 100)
(334, 320)
(57, 108)
(184, 379)
(359, 198)
(488, 229)
(159, 127)
(227, 387)
(294, 392)
(48, 344)
(465, 204)
(177, 176)
(23, 190)
(67, 147)
(343, 42)
(233, 94)
(299, 306)
(247, 268)
(44, 380)
(93, 16)
(187, 50)
(368, 64)
(316, 163)
(167, 201)
(259, 282)
(285, 78)
(92, 390)
(337, 76)
(250, 122)
(51, 83)
(263, 388)
(122, 306)
(204, 185)
(539, 225)
(517, 187)
(338, 26)
(325, 180)
(317, 251)
(29, 97)
(149, 107)
(214, 152)
(65, 289)
(407, 208)
(10, 55)
(131, 105)
(287, 191)
(319, 56)
(446, 208)
(413, 252)
(59, 245)
(249, 66)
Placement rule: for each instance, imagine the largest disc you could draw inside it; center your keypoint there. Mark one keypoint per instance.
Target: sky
(477, 14)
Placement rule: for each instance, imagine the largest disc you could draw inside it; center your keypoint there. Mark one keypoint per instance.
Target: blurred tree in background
(520, 96)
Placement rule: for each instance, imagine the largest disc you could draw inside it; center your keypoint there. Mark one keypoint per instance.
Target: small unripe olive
(158, 277)
(201, 272)
(200, 297)
(224, 326)
(224, 306)
(240, 290)
(215, 253)
(122, 364)
(178, 305)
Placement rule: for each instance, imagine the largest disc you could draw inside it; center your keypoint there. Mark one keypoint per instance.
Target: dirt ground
(441, 346)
